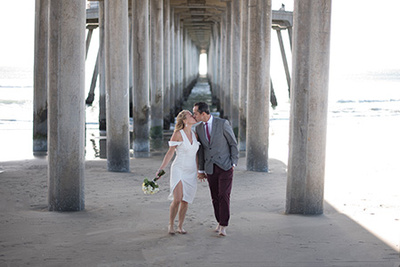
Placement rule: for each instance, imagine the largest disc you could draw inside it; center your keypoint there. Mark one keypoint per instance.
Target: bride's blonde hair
(179, 120)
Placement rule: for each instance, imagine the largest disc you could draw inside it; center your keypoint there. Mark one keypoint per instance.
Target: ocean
(369, 95)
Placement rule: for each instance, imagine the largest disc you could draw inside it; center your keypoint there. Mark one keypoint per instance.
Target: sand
(121, 226)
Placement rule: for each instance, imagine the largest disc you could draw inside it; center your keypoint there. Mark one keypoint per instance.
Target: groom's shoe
(222, 231)
(218, 228)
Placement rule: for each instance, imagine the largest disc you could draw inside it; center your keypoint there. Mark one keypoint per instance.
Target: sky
(363, 33)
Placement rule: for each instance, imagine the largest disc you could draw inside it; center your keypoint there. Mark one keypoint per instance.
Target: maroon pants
(220, 183)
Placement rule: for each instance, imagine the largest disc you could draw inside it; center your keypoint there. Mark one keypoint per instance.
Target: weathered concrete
(177, 62)
(258, 85)
(40, 76)
(117, 84)
(141, 65)
(228, 60)
(243, 74)
(235, 64)
(66, 105)
(167, 65)
(172, 65)
(156, 73)
(223, 64)
(102, 71)
(309, 106)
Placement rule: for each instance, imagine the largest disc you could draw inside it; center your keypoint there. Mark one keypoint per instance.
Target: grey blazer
(222, 150)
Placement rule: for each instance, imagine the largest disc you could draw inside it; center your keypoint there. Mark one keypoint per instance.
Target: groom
(218, 155)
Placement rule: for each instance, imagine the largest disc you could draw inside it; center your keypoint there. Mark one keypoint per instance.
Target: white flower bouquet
(151, 187)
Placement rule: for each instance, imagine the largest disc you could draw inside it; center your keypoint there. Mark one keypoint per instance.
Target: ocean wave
(343, 101)
(16, 86)
(15, 102)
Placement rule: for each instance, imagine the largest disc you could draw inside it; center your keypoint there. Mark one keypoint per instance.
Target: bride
(183, 177)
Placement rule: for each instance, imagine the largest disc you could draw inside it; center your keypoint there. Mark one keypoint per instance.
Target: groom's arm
(200, 159)
(232, 143)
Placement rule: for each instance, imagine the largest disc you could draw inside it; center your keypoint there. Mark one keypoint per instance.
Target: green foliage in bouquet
(150, 187)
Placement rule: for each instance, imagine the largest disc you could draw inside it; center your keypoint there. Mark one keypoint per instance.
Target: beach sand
(121, 226)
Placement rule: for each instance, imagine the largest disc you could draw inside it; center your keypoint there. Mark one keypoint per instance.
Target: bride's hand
(202, 177)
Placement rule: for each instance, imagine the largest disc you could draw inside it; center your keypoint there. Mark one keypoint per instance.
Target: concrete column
(157, 78)
(40, 76)
(243, 75)
(141, 72)
(102, 84)
(184, 60)
(228, 60)
(258, 84)
(217, 67)
(172, 65)
(235, 64)
(167, 65)
(180, 68)
(66, 68)
(222, 64)
(117, 84)
(309, 107)
(177, 65)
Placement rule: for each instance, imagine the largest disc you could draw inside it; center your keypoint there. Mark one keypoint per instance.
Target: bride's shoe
(171, 230)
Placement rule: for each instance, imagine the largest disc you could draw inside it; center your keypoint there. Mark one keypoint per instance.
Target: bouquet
(150, 187)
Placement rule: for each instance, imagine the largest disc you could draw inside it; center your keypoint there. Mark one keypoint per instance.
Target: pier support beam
(156, 81)
(141, 67)
(235, 65)
(227, 54)
(222, 68)
(258, 85)
(167, 65)
(40, 76)
(102, 85)
(172, 65)
(66, 105)
(243, 74)
(309, 101)
(117, 84)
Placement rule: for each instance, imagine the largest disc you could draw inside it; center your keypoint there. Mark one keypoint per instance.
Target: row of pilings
(146, 54)
(238, 63)
(239, 74)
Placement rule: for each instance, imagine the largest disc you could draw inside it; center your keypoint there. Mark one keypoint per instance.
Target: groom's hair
(202, 107)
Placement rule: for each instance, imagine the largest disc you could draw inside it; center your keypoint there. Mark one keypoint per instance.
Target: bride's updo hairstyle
(179, 120)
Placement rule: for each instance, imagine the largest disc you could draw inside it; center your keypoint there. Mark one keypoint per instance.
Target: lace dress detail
(184, 167)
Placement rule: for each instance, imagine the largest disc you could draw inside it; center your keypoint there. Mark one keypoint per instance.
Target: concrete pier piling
(156, 73)
(243, 74)
(309, 101)
(167, 65)
(141, 65)
(151, 61)
(235, 65)
(117, 84)
(258, 85)
(40, 76)
(228, 60)
(66, 105)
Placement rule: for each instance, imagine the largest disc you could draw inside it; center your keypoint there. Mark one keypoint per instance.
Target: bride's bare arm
(176, 137)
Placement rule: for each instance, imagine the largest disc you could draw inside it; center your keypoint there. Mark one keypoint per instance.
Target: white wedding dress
(184, 167)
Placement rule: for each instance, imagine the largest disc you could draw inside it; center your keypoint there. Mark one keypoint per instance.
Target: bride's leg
(182, 213)
(174, 207)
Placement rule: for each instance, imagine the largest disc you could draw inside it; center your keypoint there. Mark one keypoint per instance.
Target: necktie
(208, 133)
